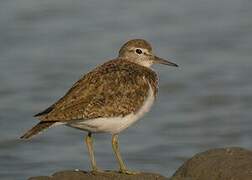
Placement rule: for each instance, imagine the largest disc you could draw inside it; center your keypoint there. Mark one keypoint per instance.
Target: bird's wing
(114, 89)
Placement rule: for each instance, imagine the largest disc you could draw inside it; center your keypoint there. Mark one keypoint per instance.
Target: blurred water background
(45, 46)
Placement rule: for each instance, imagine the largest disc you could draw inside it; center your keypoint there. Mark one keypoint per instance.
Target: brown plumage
(100, 94)
(37, 129)
(116, 88)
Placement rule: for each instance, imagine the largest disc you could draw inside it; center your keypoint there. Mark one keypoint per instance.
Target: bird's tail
(42, 125)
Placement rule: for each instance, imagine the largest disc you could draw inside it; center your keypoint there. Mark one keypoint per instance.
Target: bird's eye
(139, 51)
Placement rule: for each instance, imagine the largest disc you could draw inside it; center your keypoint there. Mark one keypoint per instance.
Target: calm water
(45, 46)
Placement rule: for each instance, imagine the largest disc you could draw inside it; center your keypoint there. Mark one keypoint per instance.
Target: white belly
(115, 124)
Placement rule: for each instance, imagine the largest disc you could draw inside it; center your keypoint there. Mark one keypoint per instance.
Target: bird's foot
(97, 171)
(128, 172)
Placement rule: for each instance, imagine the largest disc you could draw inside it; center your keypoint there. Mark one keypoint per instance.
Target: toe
(97, 171)
(128, 172)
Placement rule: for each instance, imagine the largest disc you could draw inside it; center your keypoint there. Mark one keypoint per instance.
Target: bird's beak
(158, 60)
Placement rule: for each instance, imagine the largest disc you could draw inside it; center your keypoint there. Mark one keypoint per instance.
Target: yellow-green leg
(115, 145)
(89, 142)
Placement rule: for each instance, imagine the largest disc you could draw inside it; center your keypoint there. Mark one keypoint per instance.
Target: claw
(128, 172)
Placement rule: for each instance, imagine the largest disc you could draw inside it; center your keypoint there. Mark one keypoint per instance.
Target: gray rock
(217, 164)
(109, 175)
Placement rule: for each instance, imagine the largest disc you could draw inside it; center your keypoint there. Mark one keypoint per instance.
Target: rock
(108, 175)
(217, 164)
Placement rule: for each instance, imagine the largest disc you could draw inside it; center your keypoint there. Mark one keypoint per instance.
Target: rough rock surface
(217, 164)
(110, 175)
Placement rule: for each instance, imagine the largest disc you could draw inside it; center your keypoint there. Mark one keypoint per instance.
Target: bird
(108, 99)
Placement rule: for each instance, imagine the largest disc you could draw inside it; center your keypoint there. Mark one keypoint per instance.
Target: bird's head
(140, 51)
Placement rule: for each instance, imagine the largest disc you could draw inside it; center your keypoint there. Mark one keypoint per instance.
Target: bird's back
(116, 88)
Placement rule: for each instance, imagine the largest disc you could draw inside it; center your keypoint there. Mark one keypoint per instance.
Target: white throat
(146, 63)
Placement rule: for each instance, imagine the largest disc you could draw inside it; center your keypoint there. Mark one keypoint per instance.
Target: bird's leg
(115, 146)
(89, 142)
